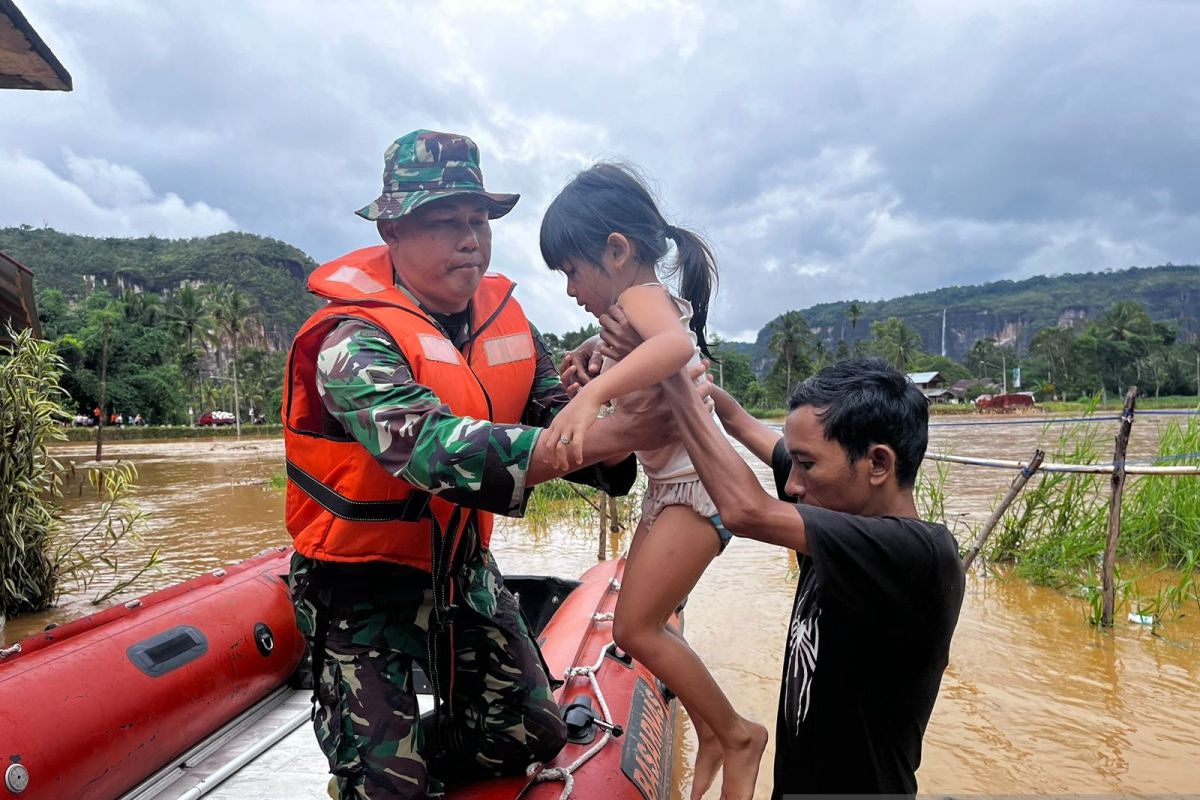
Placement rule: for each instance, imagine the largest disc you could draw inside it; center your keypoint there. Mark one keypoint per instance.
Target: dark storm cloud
(829, 150)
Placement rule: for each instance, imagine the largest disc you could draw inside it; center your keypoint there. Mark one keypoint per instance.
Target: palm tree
(232, 309)
(896, 342)
(789, 339)
(854, 314)
(186, 316)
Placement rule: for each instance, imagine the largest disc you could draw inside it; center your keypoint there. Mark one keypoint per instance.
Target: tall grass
(1056, 531)
(30, 480)
(929, 492)
(1161, 514)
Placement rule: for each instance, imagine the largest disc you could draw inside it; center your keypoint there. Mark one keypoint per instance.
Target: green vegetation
(1055, 532)
(167, 329)
(269, 272)
(141, 432)
(36, 556)
(1071, 335)
(30, 480)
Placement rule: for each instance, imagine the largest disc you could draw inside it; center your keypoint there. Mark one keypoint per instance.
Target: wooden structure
(25, 60)
(16, 297)
(25, 63)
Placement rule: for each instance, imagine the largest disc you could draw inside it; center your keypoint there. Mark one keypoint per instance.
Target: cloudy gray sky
(829, 150)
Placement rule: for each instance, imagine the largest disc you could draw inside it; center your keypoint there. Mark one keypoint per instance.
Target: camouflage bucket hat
(424, 166)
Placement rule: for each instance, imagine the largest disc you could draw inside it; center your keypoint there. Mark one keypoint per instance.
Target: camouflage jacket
(367, 385)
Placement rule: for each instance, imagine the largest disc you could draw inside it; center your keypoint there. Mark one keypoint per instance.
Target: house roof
(16, 297)
(923, 377)
(25, 60)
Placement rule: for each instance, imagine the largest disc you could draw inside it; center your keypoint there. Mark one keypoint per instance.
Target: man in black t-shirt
(879, 590)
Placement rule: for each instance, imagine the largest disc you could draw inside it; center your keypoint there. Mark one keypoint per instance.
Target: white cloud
(829, 150)
(98, 198)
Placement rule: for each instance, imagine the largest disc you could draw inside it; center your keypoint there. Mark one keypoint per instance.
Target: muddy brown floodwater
(1035, 699)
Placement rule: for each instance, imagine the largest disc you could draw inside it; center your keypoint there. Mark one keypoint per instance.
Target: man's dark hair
(864, 401)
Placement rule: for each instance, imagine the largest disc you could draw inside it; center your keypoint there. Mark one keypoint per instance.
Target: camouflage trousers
(498, 712)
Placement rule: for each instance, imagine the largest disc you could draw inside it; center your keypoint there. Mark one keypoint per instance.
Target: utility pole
(103, 388)
(943, 333)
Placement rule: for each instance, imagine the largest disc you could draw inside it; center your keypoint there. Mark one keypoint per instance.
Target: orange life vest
(341, 504)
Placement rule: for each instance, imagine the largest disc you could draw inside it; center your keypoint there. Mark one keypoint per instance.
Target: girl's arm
(757, 437)
(666, 347)
(666, 350)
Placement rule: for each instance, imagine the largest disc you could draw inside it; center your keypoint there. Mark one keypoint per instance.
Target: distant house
(980, 386)
(926, 380)
(932, 385)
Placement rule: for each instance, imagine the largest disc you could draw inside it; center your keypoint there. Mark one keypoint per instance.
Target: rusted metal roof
(25, 60)
(16, 297)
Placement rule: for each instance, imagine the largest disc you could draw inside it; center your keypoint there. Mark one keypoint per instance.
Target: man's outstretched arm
(745, 508)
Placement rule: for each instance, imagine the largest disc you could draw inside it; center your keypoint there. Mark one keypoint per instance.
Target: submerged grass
(1055, 532)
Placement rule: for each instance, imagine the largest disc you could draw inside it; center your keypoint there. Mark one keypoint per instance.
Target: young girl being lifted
(605, 233)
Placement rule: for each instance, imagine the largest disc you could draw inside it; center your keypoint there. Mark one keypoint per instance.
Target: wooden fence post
(1017, 485)
(602, 552)
(1114, 507)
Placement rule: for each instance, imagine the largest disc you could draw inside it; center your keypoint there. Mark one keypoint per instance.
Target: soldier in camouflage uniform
(369, 623)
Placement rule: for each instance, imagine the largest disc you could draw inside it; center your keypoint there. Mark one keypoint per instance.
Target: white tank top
(669, 464)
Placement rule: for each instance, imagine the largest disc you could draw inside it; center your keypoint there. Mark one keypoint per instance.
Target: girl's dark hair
(611, 198)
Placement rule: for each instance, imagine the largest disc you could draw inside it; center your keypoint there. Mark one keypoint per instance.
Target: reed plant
(1055, 532)
(1161, 513)
(30, 479)
(929, 492)
(1055, 526)
(37, 555)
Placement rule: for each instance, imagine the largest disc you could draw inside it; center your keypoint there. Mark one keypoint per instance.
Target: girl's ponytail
(611, 197)
(697, 277)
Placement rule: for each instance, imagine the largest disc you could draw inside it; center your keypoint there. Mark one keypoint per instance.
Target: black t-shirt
(868, 642)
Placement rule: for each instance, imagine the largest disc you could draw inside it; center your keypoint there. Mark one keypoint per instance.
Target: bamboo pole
(1017, 485)
(602, 552)
(1087, 469)
(1114, 506)
(614, 517)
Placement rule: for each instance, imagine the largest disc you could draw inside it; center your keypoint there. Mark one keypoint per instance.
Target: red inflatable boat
(106, 705)
(632, 762)
(90, 708)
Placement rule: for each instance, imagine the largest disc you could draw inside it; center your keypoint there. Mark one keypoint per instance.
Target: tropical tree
(733, 370)
(895, 342)
(790, 340)
(187, 316)
(233, 312)
(854, 314)
(1117, 341)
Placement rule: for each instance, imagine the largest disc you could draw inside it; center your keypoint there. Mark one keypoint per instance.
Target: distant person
(606, 235)
(879, 591)
(415, 407)
(138, 420)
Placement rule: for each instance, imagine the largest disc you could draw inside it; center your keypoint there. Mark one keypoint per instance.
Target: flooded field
(1035, 700)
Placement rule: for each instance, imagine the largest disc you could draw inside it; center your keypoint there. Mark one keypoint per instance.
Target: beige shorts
(689, 493)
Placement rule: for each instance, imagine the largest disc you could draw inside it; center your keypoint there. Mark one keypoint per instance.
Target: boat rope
(566, 774)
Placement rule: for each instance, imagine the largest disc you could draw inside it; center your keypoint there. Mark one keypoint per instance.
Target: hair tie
(670, 231)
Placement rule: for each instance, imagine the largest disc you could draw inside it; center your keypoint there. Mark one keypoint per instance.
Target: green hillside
(271, 272)
(1011, 312)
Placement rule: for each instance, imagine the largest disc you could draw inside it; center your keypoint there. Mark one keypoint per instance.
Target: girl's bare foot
(741, 763)
(709, 755)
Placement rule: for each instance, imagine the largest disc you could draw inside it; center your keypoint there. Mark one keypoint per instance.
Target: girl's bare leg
(709, 754)
(667, 561)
